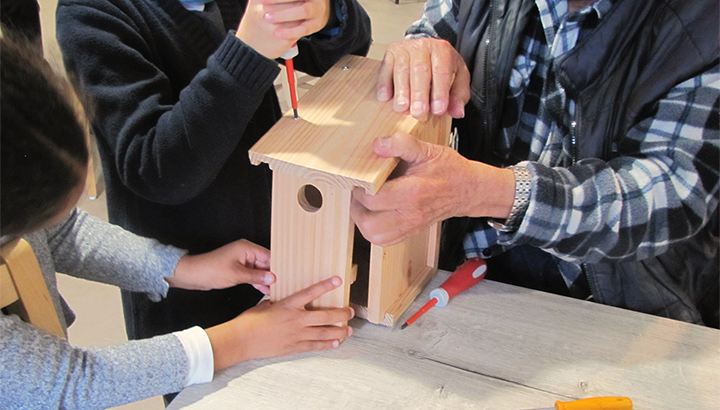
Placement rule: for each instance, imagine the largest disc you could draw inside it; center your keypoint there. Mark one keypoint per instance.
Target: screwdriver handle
(290, 68)
(596, 403)
(290, 53)
(466, 276)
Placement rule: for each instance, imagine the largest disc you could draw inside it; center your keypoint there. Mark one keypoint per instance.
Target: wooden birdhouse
(317, 160)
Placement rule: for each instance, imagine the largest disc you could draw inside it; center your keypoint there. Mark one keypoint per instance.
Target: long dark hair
(43, 146)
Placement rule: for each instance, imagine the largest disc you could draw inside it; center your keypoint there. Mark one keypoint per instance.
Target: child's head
(43, 151)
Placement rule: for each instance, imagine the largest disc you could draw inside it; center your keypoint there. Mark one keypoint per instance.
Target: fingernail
(384, 141)
(335, 343)
(438, 107)
(418, 108)
(353, 312)
(336, 281)
(401, 101)
(268, 278)
(383, 94)
(350, 331)
(462, 112)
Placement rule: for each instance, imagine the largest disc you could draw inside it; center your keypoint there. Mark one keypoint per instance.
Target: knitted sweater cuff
(245, 64)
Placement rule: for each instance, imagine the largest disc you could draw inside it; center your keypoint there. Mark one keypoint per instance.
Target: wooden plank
(309, 246)
(433, 246)
(340, 117)
(360, 376)
(398, 273)
(31, 288)
(494, 346)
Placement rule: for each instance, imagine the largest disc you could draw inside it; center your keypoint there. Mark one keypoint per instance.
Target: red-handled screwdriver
(290, 68)
(466, 276)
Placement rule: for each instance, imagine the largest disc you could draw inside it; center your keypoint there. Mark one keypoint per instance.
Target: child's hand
(298, 18)
(237, 262)
(281, 328)
(271, 27)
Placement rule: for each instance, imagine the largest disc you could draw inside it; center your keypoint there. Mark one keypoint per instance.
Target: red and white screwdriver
(290, 68)
(466, 276)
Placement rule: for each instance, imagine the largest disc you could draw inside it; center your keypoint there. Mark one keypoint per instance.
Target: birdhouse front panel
(311, 237)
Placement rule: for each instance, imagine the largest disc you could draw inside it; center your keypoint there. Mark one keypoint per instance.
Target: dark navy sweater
(176, 101)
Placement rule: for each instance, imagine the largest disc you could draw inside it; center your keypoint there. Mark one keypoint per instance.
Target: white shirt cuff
(198, 349)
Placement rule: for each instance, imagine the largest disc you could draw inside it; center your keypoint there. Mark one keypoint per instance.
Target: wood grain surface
(495, 346)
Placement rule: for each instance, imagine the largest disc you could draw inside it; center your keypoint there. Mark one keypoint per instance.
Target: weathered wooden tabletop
(493, 347)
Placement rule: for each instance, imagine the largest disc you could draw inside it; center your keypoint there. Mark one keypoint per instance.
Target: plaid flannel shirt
(622, 209)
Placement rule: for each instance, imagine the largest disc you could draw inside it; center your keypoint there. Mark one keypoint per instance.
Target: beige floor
(100, 321)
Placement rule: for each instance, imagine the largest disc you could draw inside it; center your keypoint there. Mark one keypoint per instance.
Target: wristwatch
(523, 182)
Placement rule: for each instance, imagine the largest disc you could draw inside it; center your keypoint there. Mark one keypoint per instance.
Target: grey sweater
(40, 371)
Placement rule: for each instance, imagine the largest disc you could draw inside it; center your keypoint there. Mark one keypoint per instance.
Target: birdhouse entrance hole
(310, 198)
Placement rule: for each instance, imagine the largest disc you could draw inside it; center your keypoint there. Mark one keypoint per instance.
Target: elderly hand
(438, 184)
(235, 263)
(271, 27)
(424, 75)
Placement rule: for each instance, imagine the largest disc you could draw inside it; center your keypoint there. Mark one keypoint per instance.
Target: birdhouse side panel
(398, 273)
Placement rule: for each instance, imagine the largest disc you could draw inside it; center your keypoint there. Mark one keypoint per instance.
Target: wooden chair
(23, 290)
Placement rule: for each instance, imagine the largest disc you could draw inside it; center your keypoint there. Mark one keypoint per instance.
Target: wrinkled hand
(424, 75)
(438, 184)
(282, 328)
(237, 262)
(271, 27)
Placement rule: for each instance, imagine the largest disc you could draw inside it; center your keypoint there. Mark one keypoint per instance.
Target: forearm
(169, 138)
(42, 371)
(484, 191)
(228, 345)
(661, 188)
(88, 248)
(617, 215)
(169, 153)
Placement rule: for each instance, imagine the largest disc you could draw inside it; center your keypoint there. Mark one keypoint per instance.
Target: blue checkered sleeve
(662, 188)
(439, 20)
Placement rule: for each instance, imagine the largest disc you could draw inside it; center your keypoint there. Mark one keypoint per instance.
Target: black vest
(637, 52)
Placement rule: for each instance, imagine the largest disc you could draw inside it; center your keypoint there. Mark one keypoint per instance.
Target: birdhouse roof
(340, 116)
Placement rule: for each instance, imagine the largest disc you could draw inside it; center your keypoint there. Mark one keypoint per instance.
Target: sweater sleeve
(88, 248)
(167, 144)
(40, 371)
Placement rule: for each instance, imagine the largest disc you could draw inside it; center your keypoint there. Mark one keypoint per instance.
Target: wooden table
(493, 347)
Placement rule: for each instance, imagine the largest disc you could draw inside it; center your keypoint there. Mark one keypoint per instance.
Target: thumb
(256, 276)
(402, 145)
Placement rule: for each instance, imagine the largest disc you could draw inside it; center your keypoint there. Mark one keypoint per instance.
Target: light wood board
(20, 269)
(496, 347)
(308, 247)
(411, 264)
(339, 118)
